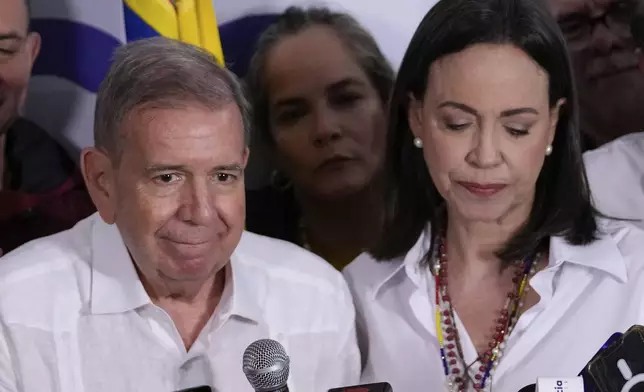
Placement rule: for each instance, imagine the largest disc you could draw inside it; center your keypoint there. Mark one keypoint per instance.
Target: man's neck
(190, 305)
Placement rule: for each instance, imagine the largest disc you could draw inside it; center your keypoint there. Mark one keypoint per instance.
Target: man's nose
(604, 39)
(196, 207)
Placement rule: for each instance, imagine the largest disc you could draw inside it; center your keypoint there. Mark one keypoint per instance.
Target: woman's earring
(418, 143)
(549, 149)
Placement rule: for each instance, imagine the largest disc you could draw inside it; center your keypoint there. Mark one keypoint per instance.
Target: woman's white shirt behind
(586, 294)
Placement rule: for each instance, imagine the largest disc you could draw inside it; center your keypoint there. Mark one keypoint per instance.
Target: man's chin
(192, 270)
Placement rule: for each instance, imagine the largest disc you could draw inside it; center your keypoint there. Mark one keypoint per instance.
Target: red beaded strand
(451, 353)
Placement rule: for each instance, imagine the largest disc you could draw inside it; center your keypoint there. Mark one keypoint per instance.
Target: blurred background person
(616, 170)
(491, 255)
(318, 84)
(610, 86)
(41, 191)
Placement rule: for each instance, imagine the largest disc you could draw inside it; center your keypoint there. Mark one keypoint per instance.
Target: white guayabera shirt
(75, 318)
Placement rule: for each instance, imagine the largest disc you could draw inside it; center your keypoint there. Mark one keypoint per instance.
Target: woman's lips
(483, 190)
(335, 163)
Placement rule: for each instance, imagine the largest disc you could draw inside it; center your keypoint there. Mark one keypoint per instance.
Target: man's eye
(225, 177)
(166, 179)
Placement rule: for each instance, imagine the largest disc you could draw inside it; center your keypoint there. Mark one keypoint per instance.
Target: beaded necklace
(456, 372)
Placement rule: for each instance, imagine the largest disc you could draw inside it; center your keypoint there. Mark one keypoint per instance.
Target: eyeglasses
(578, 27)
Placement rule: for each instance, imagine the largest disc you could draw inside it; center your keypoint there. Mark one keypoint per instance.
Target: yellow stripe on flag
(159, 14)
(208, 30)
(188, 22)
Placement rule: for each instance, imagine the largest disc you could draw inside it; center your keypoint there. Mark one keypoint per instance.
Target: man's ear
(100, 174)
(246, 156)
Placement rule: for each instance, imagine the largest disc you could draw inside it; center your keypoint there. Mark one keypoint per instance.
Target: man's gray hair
(162, 73)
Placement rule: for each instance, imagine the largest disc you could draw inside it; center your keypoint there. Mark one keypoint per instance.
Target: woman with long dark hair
(319, 87)
(493, 267)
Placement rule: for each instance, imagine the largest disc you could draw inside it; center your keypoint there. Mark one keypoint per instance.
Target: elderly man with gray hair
(163, 289)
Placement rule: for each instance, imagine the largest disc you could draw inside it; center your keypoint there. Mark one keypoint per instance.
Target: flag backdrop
(79, 37)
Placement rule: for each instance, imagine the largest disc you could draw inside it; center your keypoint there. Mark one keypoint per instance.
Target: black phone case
(620, 367)
(377, 387)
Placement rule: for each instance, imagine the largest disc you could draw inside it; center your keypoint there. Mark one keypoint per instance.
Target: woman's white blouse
(587, 293)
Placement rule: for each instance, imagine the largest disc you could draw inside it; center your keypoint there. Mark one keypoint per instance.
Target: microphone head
(266, 365)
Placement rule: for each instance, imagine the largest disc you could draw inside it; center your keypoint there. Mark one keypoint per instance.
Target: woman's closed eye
(457, 125)
(455, 121)
(516, 132)
(517, 129)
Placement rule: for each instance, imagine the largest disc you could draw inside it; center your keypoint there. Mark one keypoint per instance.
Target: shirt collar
(410, 263)
(117, 288)
(246, 287)
(602, 254)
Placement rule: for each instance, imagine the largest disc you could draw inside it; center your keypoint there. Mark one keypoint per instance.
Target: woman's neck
(473, 245)
(339, 230)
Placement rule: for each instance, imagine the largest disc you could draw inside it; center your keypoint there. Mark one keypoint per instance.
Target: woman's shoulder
(367, 273)
(366, 265)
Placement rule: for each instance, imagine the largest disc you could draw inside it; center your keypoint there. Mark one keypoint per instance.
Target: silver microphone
(266, 366)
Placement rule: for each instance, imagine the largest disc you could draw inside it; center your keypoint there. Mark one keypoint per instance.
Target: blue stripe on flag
(239, 37)
(135, 27)
(74, 51)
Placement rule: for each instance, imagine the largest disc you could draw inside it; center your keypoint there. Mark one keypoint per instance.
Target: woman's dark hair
(295, 20)
(562, 205)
